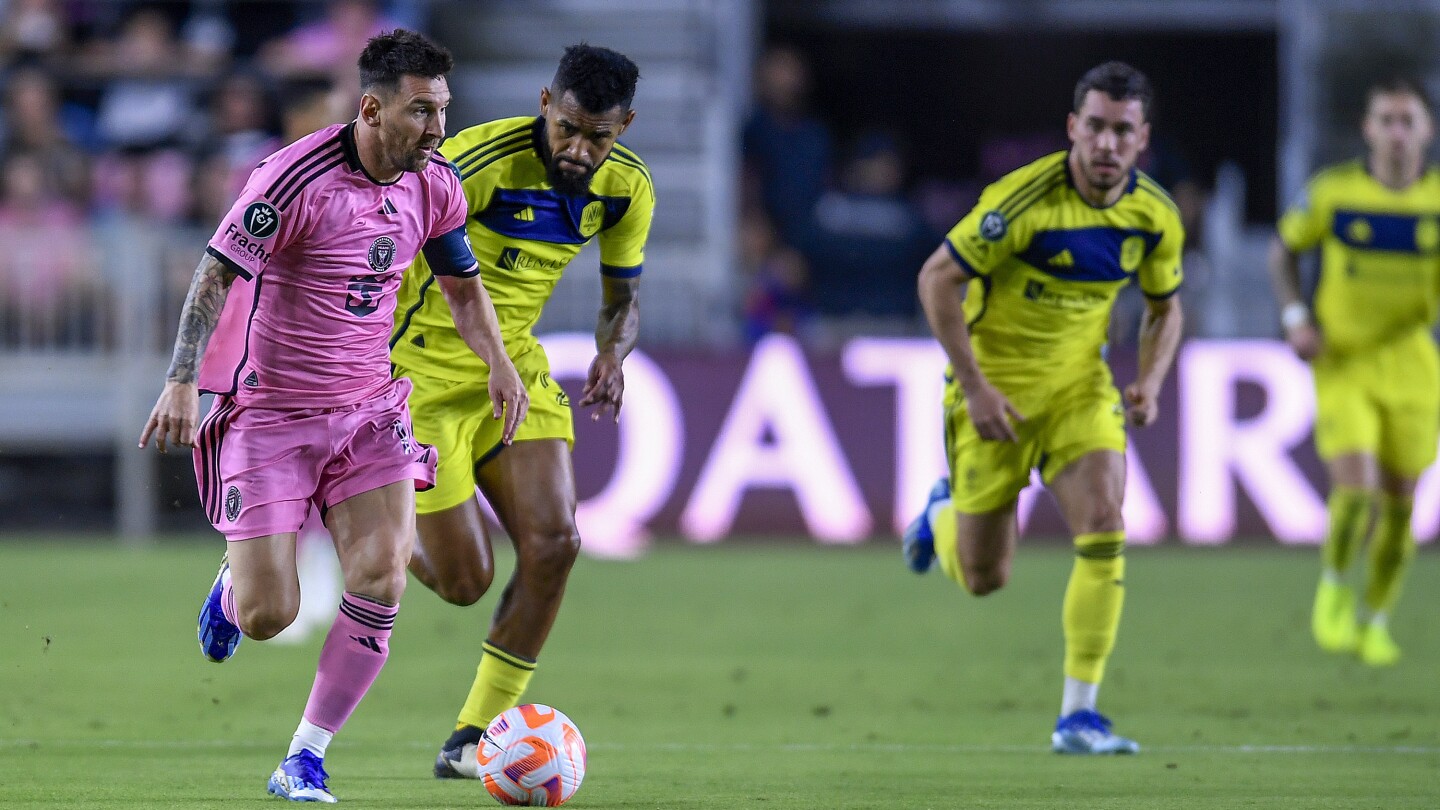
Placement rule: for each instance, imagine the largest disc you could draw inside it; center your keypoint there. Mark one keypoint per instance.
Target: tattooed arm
(615, 336)
(177, 412)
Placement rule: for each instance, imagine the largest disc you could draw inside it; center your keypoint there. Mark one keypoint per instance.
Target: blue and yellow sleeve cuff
(611, 271)
(960, 260)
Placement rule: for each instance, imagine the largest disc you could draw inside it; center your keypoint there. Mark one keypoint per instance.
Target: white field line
(762, 748)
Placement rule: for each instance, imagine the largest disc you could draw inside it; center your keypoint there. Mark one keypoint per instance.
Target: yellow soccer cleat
(1333, 620)
(1377, 648)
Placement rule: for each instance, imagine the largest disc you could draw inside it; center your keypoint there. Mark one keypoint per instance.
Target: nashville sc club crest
(382, 254)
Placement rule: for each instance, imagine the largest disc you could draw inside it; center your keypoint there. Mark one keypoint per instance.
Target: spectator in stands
(787, 149)
(310, 105)
(869, 240)
(328, 45)
(146, 116)
(243, 125)
(33, 31)
(46, 272)
(777, 298)
(148, 99)
(33, 124)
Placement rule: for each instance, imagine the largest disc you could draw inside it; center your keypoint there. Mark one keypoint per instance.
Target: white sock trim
(1078, 695)
(310, 737)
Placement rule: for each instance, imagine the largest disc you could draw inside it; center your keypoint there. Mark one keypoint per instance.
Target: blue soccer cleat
(918, 541)
(1088, 732)
(218, 637)
(301, 778)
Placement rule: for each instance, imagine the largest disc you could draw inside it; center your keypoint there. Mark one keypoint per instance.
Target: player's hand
(1142, 404)
(991, 413)
(1305, 340)
(605, 387)
(174, 417)
(508, 395)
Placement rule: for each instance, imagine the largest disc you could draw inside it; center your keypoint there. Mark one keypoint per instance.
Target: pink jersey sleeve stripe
(328, 145)
(317, 167)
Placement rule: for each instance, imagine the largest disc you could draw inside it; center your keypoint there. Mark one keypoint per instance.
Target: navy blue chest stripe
(1090, 254)
(1392, 233)
(548, 216)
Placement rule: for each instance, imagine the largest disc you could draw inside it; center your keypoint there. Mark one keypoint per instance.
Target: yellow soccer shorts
(457, 419)
(1384, 403)
(988, 475)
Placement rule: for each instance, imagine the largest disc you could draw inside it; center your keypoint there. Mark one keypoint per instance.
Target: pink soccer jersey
(319, 248)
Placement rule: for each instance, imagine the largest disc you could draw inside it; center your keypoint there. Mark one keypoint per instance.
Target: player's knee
(381, 583)
(265, 621)
(466, 590)
(550, 553)
(983, 580)
(1104, 516)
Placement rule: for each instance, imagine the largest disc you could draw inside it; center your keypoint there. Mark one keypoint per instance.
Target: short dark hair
(1120, 82)
(600, 78)
(1397, 85)
(398, 53)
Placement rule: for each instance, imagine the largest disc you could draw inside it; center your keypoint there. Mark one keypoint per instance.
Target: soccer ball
(532, 755)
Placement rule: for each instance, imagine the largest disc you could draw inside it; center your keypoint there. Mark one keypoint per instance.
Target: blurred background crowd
(136, 119)
(808, 156)
(134, 124)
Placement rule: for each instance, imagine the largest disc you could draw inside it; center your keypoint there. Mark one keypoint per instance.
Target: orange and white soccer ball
(532, 755)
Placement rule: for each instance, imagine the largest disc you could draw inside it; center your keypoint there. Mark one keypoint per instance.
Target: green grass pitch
(743, 675)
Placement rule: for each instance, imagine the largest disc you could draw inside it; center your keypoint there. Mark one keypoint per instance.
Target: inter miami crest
(382, 254)
(232, 504)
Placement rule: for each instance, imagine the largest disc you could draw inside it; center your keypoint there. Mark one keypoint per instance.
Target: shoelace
(312, 773)
(1094, 721)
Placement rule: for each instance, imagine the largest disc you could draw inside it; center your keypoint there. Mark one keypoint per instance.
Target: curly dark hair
(1400, 84)
(600, 78)
(1120, 82)
(401, 53)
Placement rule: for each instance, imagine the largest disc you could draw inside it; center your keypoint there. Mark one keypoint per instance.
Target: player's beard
(1101, 182)
(415, 160)
(568, 184)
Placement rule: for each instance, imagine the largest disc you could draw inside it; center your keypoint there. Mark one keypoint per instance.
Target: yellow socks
(1091, 616)
(1350, 511)
(943, 526)
(1391, 550)
(500, 680)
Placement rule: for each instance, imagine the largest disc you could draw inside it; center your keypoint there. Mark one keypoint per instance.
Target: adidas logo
(252, 380)
(1062, 259)
(526, 214)
(389, 207)
(368, 642)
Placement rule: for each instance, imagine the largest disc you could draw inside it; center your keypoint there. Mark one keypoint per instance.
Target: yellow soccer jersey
(1380, 254)
(524, 234)
(1049, 266)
